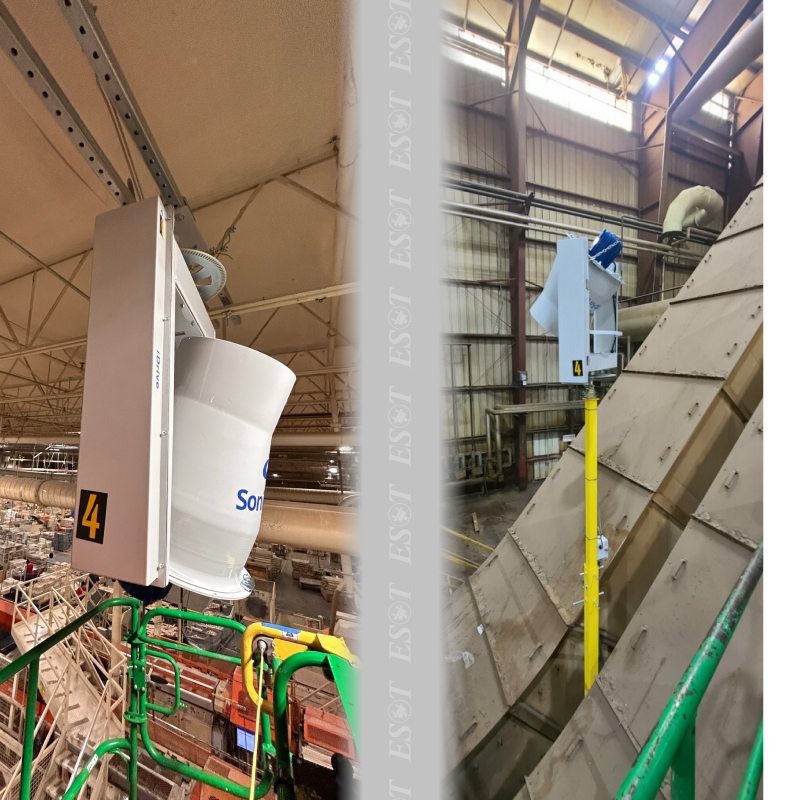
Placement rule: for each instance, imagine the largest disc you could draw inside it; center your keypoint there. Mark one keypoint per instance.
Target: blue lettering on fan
(248, 502)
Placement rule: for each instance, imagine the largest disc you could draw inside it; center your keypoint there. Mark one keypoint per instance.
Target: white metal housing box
(577, 288)
(142, 298)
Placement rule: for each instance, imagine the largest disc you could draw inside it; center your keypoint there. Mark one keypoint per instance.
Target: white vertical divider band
(399, 230)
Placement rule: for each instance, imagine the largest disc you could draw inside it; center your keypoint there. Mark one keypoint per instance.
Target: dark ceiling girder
(495, 39)
(524, 37)
(615, 48)
(714, 30)
(748, 137)
(647, 14)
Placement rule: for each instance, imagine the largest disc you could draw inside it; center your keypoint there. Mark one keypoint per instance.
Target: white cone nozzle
(228, 399)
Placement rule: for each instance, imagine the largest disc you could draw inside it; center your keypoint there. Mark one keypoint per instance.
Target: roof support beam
(645, 13)
(23, 56)
(81, 17)
(42, 265)
(287, 300)
(524, 12)
(42, 348)
(632, 56)
(38, 398)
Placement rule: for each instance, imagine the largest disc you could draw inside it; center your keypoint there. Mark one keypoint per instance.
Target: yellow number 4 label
(578, 368)
(92, 516)
(92, 522)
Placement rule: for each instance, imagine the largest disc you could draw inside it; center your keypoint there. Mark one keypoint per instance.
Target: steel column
(521, 22)
(747, 169)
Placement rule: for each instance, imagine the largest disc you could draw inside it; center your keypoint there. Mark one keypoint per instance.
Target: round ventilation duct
(207, 272)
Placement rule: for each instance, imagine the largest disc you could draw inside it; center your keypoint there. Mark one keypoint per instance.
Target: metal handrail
(672, 743)
(136, 715)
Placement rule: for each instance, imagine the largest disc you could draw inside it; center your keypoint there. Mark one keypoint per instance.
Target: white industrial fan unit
(176, 426)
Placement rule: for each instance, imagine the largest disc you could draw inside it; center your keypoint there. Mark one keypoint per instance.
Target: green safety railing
(671, 746)
(136, 715)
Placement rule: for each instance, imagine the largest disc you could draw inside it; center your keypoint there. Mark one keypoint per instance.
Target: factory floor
(289, 597)
(495, 513)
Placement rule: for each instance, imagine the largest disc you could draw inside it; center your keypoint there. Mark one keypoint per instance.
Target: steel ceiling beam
(38, 398)
(82, 19)
(242, 308)
(496, 39)
(15, 244)
(327, 370)
(591, 36)
(22, 55)
(42, 348)
(287, 300)
(650, 16)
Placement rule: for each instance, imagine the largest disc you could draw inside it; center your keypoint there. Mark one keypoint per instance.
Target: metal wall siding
(572, 169)
(699, 173)
(469, 86)
(475, 140)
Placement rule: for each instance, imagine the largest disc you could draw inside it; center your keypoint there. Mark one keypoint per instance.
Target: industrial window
(467, 48)
(578, 95)
(719, 106)
(475, 62)
(545, 82)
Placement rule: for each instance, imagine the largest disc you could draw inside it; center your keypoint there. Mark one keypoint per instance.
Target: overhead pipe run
(485, 214)
(736, 57)
(604, 217)
(280, 439)
(692, 208)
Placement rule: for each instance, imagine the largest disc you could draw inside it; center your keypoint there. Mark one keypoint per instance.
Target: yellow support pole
(591, 596)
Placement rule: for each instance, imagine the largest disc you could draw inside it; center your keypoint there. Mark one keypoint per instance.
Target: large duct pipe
(638, 321)
(280, 439)
(302, 525)
(737, 56)
(310, 526)
(322, 439)
(329, 497)
(694, 207)
(45, 439)
(59, 494)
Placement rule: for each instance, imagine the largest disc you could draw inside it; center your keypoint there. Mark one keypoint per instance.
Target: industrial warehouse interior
(153, 151)
(602, 537)
(535, 227)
